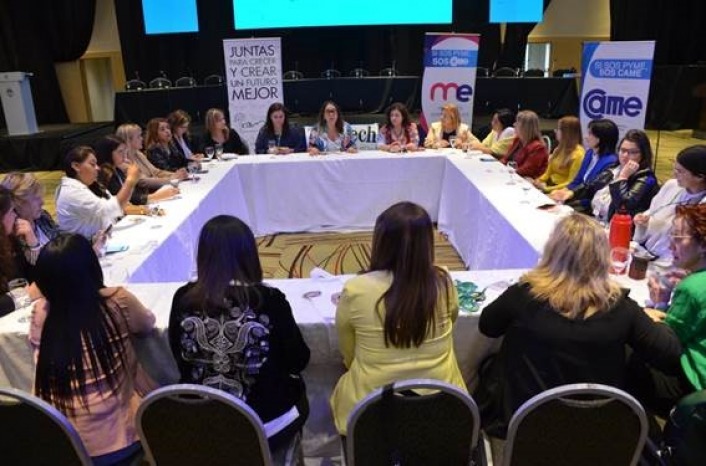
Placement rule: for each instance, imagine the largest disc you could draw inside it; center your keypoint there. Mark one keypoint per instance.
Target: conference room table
(486, 211)
(549, 97)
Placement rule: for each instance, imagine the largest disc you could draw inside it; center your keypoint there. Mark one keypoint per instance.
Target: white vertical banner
(615, 82)
(450, 62)
(254, 78)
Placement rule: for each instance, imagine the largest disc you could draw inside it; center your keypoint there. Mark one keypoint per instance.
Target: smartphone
(546, 206)
(487, 159)
(107, 230)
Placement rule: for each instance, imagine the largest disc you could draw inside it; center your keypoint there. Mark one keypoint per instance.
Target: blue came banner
(616, 82)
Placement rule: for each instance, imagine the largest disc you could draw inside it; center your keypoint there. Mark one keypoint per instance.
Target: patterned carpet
(295, 255)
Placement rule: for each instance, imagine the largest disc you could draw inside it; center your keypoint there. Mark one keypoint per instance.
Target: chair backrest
(505, 72)
(330, 74)
(135, 85)
(577, 425)
(160, 83)
(547, 142)
(36, 433)
(359, 73)
(685, 431)
(533, 73)
(185, 81)
(389, 72)
(194, 424)
(213, 80)
(482, 72)
(293, 75)
(393, 424)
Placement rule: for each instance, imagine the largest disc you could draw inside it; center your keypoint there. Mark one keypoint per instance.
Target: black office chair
(389, 72)
(160, 83)
(330, 74)
(482, 72)
(213, 80)
(560, 73)
(36, 433)
(505, 72)
(135, 85)
(533, 73)
(580, 424)
(393, 425)
(185, 81)
(292, 75)
(359, 73)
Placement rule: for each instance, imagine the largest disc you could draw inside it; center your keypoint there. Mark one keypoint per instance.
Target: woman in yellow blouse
(566, 159)
(395, 321)
(501, 135)
(450, 127)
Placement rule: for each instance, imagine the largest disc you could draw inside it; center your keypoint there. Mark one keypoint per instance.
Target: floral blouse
(319, 138)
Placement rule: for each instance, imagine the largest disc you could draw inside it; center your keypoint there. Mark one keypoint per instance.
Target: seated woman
(652, 226)
(279, 134)
(398, 134)
(217, 133)
(450, 127)
(34, 226)
(86, 363)
(527, 150)
(332, 133)
(83, 206)
(151, 177)
(634, 183)
(595, 171)
(565, 161)
(395, 322)
(113, 164)
(160, 150)
(179, 122)
(228, 313)
(501, 135)
(12, 264)
(565, 322)
(686, 312)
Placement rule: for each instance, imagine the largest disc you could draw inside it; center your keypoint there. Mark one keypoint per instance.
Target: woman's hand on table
(641, 219)
(655, 314)
(314, 151)
(561, 195)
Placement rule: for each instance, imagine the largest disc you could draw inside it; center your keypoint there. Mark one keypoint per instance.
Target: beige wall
(88, 84)
(568, 24)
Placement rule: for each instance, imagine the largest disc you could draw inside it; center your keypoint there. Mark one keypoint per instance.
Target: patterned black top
(254, 353)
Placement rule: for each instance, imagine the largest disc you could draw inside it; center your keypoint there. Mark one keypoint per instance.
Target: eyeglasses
(629, 151)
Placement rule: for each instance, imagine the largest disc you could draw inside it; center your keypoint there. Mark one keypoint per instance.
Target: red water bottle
(620, 229)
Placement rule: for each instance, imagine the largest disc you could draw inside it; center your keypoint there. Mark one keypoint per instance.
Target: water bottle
(620, 229)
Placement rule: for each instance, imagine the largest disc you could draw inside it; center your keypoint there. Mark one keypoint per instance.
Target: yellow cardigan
(556, 177)
(372, 365)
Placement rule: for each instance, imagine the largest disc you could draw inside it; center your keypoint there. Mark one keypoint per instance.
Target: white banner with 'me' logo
(254, 78)
(450, 62)
(615, 83)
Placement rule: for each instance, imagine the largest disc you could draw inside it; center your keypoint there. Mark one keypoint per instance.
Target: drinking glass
(619, 258)
(526, 187)
(219, 151)
(271, 146)
(511, 168)
(452, 142)
(209, 151)
(18, 290)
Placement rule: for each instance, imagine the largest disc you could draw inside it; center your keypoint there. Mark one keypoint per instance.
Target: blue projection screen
(516, 11)
(262, 14)
(170, 16)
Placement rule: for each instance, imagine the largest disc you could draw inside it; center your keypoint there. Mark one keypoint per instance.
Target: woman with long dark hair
(277, 130)
(230, 331)
(86, 364)
(332, 133)
(160, 150)
(399, 133)
(395, 321)
(83, 205)
(12, 262)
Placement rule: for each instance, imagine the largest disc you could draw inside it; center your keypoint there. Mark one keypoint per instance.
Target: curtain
(33, 38)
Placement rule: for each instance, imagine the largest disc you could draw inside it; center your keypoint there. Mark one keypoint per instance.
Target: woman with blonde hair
(565, 161)
(527, 150)
(217, 133)
(565, 322)
(151, 177)
(395, 322)
(448, 128)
